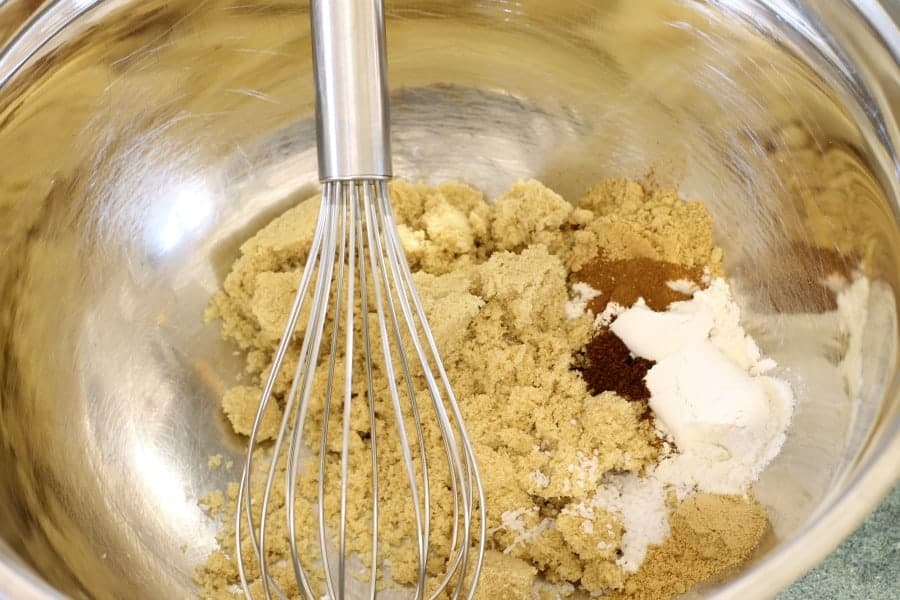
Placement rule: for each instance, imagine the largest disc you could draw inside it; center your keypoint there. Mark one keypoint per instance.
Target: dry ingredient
(609, 366)
(709, 534)
(623, 281)
(709, 391)
(631, 221)
(571, 465)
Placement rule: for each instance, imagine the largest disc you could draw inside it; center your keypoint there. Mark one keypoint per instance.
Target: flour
(513, 520)
(683, 286)
(708, 391)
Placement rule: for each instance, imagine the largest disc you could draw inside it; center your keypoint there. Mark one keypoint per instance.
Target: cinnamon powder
(625, 280)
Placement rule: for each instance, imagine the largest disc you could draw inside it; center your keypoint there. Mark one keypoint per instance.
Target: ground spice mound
(494, 281)
(710, 534)
(610, 367)
(623, 281)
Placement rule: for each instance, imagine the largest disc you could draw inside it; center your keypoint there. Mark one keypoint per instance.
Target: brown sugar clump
(634, 221)
(239, 405)
(623, 281)
(503, 576)
(710, 534)
(610, 367)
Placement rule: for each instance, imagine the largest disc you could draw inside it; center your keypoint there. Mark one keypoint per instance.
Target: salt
(640, 504)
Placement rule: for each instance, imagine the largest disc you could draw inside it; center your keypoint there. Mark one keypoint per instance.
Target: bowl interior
(143, 143)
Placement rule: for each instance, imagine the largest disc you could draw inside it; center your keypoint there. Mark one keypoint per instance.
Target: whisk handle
(352, 109)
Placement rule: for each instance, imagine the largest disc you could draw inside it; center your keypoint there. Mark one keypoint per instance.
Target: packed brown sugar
(552, 442)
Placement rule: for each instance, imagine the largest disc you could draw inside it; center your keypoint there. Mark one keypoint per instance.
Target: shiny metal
(356, 242)
(351, 84)
(142, 141)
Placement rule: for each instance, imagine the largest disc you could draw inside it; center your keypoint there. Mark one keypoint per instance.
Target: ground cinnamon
(625, 280)
(610, 367)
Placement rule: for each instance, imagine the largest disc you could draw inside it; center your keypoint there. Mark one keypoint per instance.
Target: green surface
(865, 567)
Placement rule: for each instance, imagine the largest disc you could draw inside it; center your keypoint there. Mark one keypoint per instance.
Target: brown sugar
(503, 576)
(494, 283)
(710, 534)
(628, 220)
(623, 281)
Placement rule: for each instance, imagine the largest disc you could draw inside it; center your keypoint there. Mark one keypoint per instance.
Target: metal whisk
(356, 247)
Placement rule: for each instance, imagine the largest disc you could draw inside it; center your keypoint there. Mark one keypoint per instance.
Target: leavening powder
(708, 391)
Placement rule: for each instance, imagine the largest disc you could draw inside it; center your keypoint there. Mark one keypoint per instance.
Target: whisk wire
(303, 380)
(347, 211)
(338, 203)
(370, 389)
(356, 237)
(243, 496)
(376, 257)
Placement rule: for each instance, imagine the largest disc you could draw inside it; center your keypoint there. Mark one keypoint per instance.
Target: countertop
(865, 567)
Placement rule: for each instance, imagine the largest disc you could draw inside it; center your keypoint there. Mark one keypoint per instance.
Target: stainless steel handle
(352, 110)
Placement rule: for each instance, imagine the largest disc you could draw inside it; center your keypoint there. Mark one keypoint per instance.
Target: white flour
(708, 391)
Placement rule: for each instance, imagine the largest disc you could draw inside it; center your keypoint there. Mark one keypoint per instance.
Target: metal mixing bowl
(142, 140)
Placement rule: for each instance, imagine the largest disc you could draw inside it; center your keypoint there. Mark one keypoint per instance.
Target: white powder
(640, 504)
(683, 286)
(727, 333)
(707, 391)
(577, 306)
(513, 520)
(656, 335)
(540, 479)
(612, 310)
(584, 475)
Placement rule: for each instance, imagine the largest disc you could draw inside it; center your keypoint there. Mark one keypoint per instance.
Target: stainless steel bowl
(142, 140)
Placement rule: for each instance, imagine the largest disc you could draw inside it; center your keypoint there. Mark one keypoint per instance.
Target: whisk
(355, 248)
